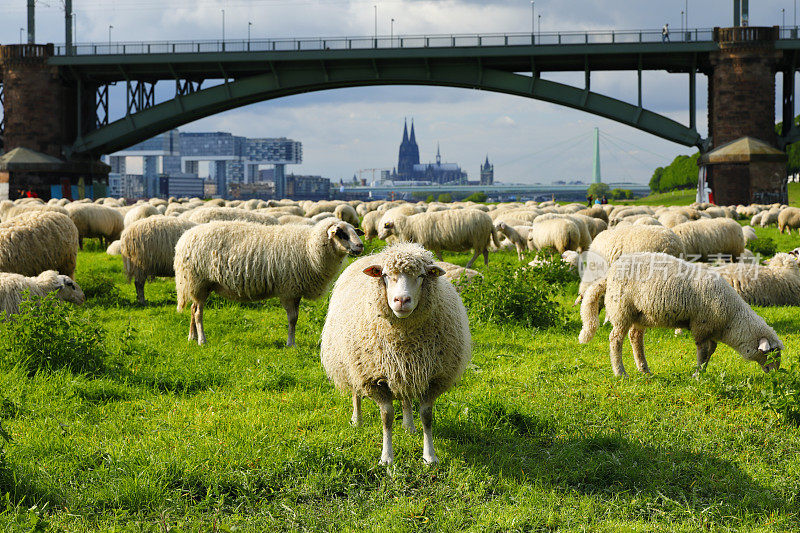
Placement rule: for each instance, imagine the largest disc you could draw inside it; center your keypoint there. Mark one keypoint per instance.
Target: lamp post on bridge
(21, 39)
(249, 24)
(223, 29)
(783, 18)
(682, 32)
(533, 22)
(540, 27)
(391, 34)
(110, 27)
(375, 7)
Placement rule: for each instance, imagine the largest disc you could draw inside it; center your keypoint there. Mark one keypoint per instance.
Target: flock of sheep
(396, 327)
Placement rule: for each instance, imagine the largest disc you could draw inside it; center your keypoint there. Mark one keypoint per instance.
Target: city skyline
(530, 141)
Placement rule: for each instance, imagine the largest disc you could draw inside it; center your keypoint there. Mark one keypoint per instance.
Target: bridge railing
(388, 42)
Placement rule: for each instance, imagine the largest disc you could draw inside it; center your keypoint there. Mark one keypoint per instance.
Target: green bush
(47, 334)
(621, 194)
(514, 294)
(98, 287)
(763, 246)
(445, 198)
(476, 197)
(598, 189)
(680, 174)
(781, 393)
(430, 198)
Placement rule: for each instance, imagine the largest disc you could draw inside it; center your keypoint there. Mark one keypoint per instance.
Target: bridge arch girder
(182, 109)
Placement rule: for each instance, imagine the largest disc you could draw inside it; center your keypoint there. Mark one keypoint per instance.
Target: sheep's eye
(342, 234)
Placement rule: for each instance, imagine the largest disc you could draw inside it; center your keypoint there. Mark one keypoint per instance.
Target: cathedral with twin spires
(410, 169)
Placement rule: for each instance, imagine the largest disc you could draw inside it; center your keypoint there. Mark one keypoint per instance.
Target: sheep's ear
(359, 232)
(763, 345)
(373, 271)
(389, 225)
(332, 230)
(434, 271)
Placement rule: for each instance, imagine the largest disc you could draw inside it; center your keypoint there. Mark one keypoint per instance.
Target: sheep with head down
(396, 330)
(14, 286)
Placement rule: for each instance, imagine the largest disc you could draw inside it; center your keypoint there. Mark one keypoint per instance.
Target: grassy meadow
(245, 435)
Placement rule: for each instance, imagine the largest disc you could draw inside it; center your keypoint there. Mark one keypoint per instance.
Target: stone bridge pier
(39, 114)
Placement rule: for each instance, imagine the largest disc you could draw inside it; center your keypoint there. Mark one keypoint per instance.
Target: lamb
(716, 236)
(94, 220)
(249, 262)
(647, 290)
(458, 275)
(789, 219)
(33, 242)
(519, 237)
(148, 249)
(775, 284)
(396, 330)
(454, 230)
(13, 287)
(209, 214)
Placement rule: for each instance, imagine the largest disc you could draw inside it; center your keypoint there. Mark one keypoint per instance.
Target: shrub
(512, 294)
(430, 198)
(98, 287)
(476, 197)
(445, 198)
(47, 334)
(598, 189)
(781, 393)
(763, 246)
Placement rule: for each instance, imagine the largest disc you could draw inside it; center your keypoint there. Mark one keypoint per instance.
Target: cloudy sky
(345, 130)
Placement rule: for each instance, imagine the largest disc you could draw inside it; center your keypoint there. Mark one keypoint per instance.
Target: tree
(598, 189)
(476, 197)
(445, 198)
(621, 194)
(430, 198)
(655, 181)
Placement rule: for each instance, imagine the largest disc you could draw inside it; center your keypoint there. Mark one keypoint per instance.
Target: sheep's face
(403, 288)
(768, 354)
(344, 237)
(69, 291)
(386, 231)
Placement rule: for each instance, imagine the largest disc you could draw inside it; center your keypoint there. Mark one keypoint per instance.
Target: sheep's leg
(80, 243)
(201, 335)
(426, 415)
(408, 416)
(292, 306)
(387, 417)
(704, 351)
(474, 257)
(485, 256)
(439, 255)
(519, 252)
(615, 340)
(636, 336)
(139, 291)
(193, 324)
(356, 419)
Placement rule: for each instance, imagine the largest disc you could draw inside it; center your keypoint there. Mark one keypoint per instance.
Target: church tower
(409, 154)
(487, 172)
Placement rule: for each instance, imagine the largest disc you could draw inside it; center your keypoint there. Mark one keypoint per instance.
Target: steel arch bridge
(255, 71)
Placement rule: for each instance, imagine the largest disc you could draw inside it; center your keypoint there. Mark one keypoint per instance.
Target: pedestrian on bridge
(665, 33)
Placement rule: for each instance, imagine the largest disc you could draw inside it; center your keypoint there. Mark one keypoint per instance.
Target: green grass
(686, 197)
(245, 434)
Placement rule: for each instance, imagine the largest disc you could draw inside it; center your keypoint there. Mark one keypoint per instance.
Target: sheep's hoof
(431, 460)
(411, 429)
(386, 461)
(355, 422)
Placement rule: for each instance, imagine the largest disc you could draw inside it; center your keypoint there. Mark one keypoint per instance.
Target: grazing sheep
(370, 224)
(716, 236)
(396, 330)
(455, 230)
(13, 287)
(33, 242)
(672, 219)
(770, 217)
(609, 245)
(648, 290)
(749, 234)
(148, 249)
(580, 222)
(115, 248)
(594, 212)
(775, 284)
(347, 213)
(322, 216)
(139, 212)
(294, 219)
(559, 233)
(15, 210)
(209, 214)
(248, 262)
(93, 220)
(789, 219)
